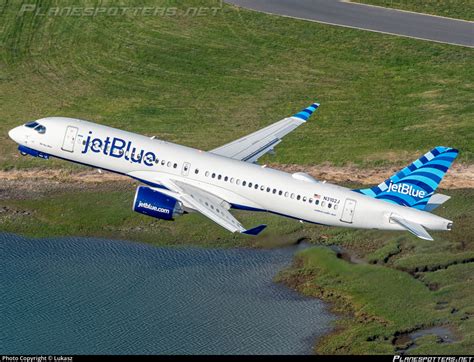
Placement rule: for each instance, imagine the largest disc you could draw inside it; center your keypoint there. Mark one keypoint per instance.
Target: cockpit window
(41, 129)
(32, 124)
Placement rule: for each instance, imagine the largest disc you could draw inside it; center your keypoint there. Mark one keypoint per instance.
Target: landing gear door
(348, 211)
(69, 139)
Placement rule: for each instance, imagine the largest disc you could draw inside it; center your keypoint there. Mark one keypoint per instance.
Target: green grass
(385, 100)
(382, 302)
(460, 9)
(383, 254)
(375, 294)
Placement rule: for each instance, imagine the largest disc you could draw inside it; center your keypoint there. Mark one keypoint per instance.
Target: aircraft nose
(14, 134)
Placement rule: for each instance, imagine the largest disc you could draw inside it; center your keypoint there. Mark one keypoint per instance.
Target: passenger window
(335, 207)
(250, 184)
(268, 189)
(231, 180)
(196, 171)
(226, 179)
(274, 191)
(207, 174)
(298, 197)
(176, 165)
(286, 194)
(244, 183)
(168, 164)
(262, 187)
(323, 203)
(219, 177)
(329, 205)
(292, 196)
(163, 162)
(280, 192)
(304, 198)
(213, 175)
(237, 182)
(310, 201)
(317, 202)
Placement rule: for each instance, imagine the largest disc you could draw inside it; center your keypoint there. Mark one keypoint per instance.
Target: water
(91, 296)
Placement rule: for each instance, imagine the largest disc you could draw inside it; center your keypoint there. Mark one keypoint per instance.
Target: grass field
(460, 9)
(384, 99)
(205, 80)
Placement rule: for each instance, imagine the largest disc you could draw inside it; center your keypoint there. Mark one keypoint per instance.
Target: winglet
(307, 112)
(255, 231)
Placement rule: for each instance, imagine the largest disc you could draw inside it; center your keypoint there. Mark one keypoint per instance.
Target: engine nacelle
(153, 203)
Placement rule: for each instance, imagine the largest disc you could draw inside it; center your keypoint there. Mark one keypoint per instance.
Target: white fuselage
(241, 184)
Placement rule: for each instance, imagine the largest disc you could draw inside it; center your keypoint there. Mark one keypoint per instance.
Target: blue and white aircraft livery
(178, 179)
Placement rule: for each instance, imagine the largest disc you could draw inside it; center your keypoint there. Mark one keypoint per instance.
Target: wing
(254, 145)
(213, 207)
(416, 229)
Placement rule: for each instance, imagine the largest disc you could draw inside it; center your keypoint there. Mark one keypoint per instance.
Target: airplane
(177, 180)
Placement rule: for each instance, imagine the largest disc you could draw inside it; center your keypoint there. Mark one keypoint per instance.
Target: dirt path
(20, 184)
(458, 176)
(27, 184)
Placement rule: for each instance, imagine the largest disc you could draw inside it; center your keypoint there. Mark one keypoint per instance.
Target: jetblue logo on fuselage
(146, 205)
(119, 148)
(405, 189)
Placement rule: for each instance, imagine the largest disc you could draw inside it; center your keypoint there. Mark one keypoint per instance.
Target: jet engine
(153, 203)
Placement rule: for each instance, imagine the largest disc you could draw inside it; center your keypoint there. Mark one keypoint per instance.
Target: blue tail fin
(415, 184)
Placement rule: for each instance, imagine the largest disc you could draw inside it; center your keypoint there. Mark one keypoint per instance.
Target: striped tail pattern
(415, 184)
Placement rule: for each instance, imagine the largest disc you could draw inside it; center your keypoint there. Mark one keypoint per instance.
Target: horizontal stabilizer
(255, 231)
(435, 201)
(414, 228)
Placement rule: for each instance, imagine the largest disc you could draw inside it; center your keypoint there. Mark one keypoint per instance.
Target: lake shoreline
(190, 275)
(42, 210)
